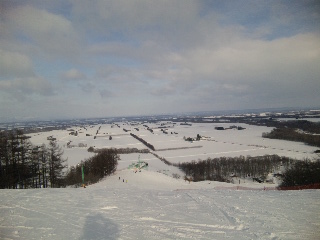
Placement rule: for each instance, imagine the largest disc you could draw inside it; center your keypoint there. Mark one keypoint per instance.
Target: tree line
(23, 165)
(302, 173)
(292, 134)
(224, 168)
(304, 125)
(119, 150)
(149, 145)
(102, 164)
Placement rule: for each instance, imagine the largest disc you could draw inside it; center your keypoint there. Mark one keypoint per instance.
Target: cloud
(104, 93)
(163, 91)
(20, 88)
(51, 34)
(235, 72)
(157, 56)
(87, 87)
(14, 64)
(253, 60)
(73, 74)
(108, 17)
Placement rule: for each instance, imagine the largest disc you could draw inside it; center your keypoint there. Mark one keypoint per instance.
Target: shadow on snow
(98, 227)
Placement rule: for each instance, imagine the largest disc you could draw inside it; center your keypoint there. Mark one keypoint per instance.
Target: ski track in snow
(149, 207)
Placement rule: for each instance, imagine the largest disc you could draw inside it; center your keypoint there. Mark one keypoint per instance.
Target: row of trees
(223, 168)
(292, 134)
(149, 145)
(304, 125)
(23, 165)
(302, 173)
(120, 150)
(102, 164)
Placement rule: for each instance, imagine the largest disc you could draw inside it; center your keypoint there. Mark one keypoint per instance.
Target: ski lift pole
(82, 171)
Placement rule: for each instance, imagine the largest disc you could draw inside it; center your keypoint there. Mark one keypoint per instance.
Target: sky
(68, 59)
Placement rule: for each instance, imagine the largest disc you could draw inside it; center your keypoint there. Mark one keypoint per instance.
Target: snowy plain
(173, 147)
(151, 204)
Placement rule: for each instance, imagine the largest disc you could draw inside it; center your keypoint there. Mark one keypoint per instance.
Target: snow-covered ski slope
(151, 205)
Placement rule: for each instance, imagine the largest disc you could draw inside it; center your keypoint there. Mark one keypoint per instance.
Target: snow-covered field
(151, 204)
(173, 147)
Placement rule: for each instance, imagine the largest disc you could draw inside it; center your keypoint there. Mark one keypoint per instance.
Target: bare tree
(56, 164)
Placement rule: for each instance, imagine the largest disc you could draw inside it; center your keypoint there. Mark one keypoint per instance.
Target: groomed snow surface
(151, 204)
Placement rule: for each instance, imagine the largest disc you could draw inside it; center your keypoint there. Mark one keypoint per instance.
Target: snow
(151, 204)
(229, 143)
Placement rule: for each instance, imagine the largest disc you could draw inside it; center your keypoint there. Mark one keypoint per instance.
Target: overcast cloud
(72, 58)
